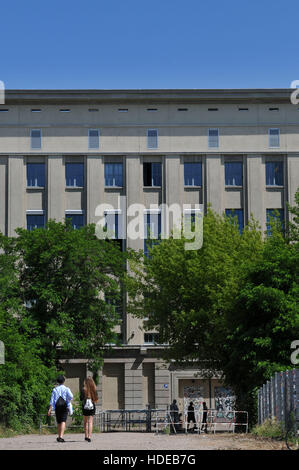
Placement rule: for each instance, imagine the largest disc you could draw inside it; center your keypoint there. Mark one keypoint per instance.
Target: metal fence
(279, 399)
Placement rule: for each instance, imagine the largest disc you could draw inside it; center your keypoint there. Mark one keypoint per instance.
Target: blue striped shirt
(60, 391)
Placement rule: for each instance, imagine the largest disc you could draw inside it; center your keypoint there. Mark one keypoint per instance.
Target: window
(243, 109)
(74, 175)
(152, 231)
(276, 216)
(212, 109)
(36, 175)
(213, 138)
(273, 109)
(36, 138)
(114, 300)
(93, 138)
(192, 174)
(151, 338)
(182, 109)
(65, 110)
(152, 110)
(93, 110)
(233, 173)
(152, 138)
(114, 174)
(35, 221)
(77, 220)
(123, 110)
(115, 226)
(36, 110)
(274, 173)
(232, 213)
(152, 174)
(274, 138)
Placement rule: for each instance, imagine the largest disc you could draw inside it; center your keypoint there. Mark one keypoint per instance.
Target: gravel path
(140, 441)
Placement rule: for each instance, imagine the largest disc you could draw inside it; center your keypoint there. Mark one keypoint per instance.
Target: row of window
(152, 138)
(152, 223)
(152, 174)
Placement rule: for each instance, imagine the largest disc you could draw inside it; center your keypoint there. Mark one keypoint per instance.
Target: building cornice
(263, 95)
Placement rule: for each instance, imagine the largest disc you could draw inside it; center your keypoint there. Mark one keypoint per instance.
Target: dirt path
(140, 441)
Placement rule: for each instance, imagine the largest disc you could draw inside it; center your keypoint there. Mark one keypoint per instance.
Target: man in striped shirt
(60, 400)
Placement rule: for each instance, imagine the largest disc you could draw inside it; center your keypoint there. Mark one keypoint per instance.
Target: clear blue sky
(149, 44)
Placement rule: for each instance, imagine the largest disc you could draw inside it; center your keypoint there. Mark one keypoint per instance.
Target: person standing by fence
(60, 400)
(89, 398)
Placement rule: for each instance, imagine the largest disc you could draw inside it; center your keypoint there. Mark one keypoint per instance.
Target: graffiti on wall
(224, 402)
(194, 394)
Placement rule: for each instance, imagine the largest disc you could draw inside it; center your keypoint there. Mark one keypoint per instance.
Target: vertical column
(255, 189)
(173, 187)
(56, 188)
(16, 194)
(95, 185)
(133, 385)
(292, 177)
(134, 192)
(162, 385)
(214, 183)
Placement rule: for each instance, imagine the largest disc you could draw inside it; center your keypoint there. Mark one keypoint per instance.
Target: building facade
(65, 152)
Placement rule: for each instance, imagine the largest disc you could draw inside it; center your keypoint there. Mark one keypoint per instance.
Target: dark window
(233, 213)
(74, 174)
(35, 221)
(152, 174)
(274, 173)
(192, 174)
(76, 219)
(36, 175)
(274, 215)
(152, 231)
(233, 174)
(113, 174)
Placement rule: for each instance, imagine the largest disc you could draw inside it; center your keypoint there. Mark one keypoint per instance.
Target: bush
(270, 428)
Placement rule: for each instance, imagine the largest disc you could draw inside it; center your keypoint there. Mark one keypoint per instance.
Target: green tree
(64, 276)
(185, 294)
(25, 381)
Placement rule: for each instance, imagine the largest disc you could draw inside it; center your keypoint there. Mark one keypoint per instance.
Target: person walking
(174, 415)
(204, 424)
(191, 415)
(89, 398)
(60, 402)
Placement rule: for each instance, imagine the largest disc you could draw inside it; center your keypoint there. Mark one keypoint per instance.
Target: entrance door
(190, 390)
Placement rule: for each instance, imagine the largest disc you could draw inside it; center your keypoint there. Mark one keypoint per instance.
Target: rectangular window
(36, 138)
(115, 226)
(114, 174)
(152, 231)
(276, 216)
(77, 220)
(233, 173)
(192, 174)
(274, 138)
(213, 138)
(115, 302)
(274, 173)
(152, 138)
(152, 174)
(35, 221)
(74, 175)
(151, 338)
(93, 138)
(236, 213)
(35, 175)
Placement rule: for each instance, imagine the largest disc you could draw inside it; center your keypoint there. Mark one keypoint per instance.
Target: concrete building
(64, 152)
